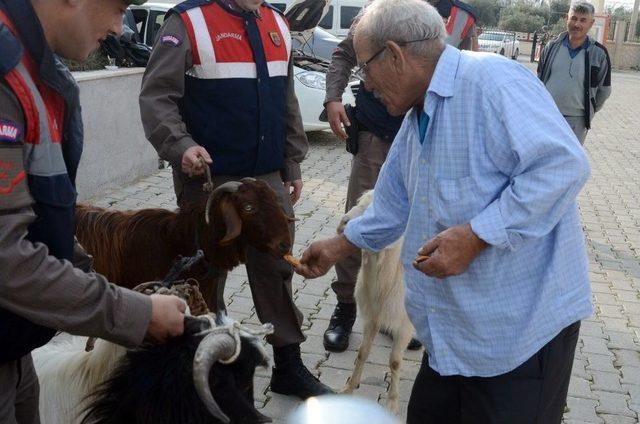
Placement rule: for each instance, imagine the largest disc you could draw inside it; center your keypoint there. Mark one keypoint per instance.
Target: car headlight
(313, 79)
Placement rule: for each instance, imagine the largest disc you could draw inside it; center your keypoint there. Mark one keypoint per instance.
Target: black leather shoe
(414, 344)
(291, 377)
(336, 338)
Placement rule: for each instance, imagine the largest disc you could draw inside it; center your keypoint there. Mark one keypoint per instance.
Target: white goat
(380, 300)
(68, 373)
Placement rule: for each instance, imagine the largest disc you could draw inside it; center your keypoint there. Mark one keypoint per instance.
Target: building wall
(115, 149)
(628, 57)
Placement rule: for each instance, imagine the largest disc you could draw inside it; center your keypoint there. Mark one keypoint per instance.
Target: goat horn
(228, 187)
(213, 347)
(248, 179)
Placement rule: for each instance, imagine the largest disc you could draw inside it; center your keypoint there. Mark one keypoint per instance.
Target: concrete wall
(628, 57)
(115, 149)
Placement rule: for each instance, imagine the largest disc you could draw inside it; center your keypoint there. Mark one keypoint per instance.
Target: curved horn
(228, 187)
(213, 347)
(248, 179)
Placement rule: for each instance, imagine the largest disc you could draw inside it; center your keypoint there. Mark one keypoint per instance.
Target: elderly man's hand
(450, 252)
(321, 255)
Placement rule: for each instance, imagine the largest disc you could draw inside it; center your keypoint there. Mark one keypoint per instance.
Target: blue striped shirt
(497, 154)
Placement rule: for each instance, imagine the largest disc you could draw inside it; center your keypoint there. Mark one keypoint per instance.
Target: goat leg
(400, 341)
(370, 330)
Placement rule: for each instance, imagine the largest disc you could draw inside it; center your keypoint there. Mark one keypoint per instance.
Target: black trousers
(534, 392)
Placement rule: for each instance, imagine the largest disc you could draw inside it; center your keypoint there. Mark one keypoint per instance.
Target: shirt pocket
(454, 201)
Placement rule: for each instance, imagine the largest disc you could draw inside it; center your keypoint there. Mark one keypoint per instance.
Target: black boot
(291, 377)
(336, 338)
(414, 344)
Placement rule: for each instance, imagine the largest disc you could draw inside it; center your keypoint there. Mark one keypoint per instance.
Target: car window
(280, 6)
(327, 21)
(347, 13)
(491, 36)
(156, 19)
(140, 16)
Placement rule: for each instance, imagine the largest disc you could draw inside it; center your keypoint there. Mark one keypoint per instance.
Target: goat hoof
(392, 405)
(347, 390)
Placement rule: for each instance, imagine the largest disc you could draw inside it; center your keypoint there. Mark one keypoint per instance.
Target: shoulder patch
(170, 40)
(13, 178)
(10, 132)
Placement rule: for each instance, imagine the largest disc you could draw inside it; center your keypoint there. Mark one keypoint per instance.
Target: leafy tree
(487, 12)
(521, 22)
(524, 16)
(558, 9)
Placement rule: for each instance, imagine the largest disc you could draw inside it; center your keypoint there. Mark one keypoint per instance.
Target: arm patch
(14, 193)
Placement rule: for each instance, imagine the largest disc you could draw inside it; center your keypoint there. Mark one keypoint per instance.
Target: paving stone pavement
(605, 385)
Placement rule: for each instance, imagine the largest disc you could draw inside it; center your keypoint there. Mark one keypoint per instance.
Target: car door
(140, 16)
(508, 52)
(155, 21)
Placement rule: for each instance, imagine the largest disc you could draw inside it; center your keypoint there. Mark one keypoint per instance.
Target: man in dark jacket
(577, 71)
(40, 147)
(376, 129)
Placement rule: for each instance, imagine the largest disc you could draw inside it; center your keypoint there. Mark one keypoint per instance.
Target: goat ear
(232, 221)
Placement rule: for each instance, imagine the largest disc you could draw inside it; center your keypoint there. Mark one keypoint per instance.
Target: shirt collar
(585, 45)
(444, 77)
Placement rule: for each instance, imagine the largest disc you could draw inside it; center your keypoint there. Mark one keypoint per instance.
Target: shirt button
(262, 138)
(433, 310)
(424, 199)
(258, 79)
(423, 161)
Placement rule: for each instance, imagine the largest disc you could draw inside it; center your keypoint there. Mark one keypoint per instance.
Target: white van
(340, 15)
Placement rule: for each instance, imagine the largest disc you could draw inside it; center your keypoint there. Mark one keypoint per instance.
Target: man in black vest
(376, 130)
(40, 147)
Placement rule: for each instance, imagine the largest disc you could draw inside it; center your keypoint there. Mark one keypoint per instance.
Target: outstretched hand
(321, 255)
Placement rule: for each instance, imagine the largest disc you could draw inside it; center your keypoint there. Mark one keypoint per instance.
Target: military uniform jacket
(40, 147)
(222, 78)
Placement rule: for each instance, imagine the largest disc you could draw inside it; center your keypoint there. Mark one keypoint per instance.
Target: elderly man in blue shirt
(482, 178)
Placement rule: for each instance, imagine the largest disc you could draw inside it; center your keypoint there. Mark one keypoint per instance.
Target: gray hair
(401, 21)
(583, 7)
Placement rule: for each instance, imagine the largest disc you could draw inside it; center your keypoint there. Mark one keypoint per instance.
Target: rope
(208, 186)
(234, 329)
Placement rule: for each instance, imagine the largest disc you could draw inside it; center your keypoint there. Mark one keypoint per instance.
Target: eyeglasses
(361, 71)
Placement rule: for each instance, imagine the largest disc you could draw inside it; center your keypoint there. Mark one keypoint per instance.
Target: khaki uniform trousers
(19, 391)
(269, 279)
(365, 168)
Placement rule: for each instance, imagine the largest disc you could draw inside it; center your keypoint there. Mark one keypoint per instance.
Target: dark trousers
(19, 390)
(365, 168)
(269, 279)
(534, 392)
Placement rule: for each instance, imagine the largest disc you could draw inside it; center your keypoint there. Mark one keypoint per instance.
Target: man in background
(577, 71)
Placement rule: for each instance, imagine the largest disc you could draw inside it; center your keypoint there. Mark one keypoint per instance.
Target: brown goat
(133, 247)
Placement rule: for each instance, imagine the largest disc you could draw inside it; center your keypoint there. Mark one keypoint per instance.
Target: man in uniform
(376, 129)
(219, 88)
(40, 146)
